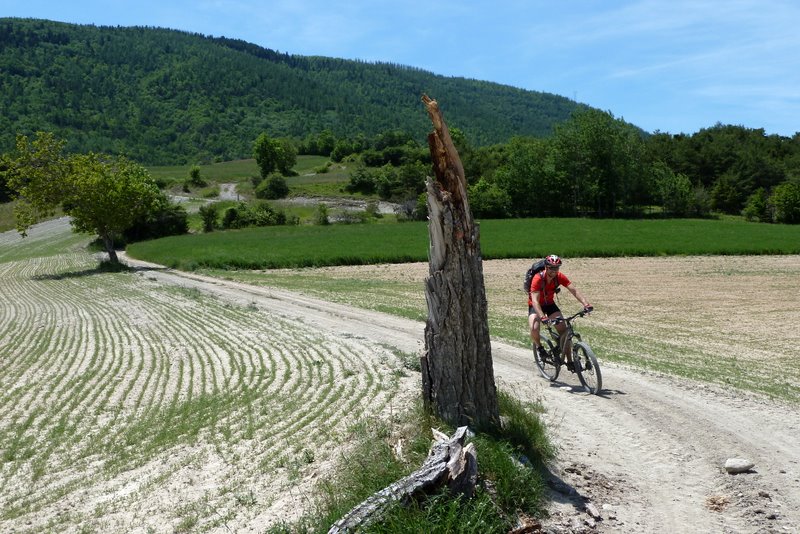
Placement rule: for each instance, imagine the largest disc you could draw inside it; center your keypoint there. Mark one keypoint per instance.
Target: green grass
(308, 182)
(510, 462)
(228, 171)
(314, 246)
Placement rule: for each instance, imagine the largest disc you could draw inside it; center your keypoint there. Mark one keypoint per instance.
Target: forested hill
(164, 96)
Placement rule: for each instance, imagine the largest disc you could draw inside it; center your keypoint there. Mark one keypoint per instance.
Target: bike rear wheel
(550, 365)
(587, 368)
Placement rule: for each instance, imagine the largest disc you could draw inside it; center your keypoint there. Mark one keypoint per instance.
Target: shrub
(208, 214)
(362, 180)
(260, 214)
(274, 187)
(321, 215)
(194, 177)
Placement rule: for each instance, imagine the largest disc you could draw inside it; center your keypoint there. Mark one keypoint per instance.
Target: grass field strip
(115, 391)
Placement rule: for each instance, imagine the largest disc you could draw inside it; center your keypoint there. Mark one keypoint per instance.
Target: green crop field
(305, 246)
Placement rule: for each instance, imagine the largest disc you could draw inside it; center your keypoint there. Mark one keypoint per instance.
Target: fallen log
(449, 463)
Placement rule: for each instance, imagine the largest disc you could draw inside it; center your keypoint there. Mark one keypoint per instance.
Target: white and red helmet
(552, 261)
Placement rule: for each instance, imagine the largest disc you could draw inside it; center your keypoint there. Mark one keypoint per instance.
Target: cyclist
(541, 302)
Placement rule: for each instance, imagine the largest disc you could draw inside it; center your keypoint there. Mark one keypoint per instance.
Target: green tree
(102, 194)
(785, 200)
(674, 191)
(757, 208)
(604, 160)
(487, 200)
(728, 195)
(530, 180)
(274, 155)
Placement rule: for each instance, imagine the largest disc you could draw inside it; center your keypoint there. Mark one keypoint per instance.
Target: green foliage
(530, 180)
(603, 161)
(728, 195)
(39, 173)
(321, 215)
(5, 189)
(163, 220)
(208, 214)
(273, 187)
(757, 209)
(108, 195)
(161, 96)
(363, 180)
(195, 179)
(245, 215)
(674, 191)
(102, 194)
(785, 200)
(488, 200)
(274, 155)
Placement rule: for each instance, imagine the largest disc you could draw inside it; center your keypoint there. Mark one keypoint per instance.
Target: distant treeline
(168, 97)
(595, 165)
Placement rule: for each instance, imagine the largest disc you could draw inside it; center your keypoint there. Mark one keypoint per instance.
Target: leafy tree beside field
(105, 195)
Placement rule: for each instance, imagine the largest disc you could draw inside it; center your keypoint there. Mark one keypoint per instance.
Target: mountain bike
(583, 358)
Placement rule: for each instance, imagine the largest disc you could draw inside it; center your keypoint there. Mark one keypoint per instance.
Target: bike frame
(568, 335)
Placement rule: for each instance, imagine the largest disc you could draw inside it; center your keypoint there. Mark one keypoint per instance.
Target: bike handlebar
(570, 318)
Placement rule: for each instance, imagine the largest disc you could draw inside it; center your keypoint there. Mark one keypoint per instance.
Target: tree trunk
(109, 244)
(457, 374)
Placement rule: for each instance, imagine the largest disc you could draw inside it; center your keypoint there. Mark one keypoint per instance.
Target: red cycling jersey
(548, 296)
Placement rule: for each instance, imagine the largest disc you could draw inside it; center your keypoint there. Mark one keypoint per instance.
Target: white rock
(738, 465)
(592, 511)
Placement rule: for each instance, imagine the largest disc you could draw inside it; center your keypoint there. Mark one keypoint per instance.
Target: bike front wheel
(587, 368)
(549, 365)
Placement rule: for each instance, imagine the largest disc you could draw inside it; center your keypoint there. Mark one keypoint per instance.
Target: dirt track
(648, 454)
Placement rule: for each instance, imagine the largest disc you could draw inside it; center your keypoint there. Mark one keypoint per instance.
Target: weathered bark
(449, 462)
(108, 243)
(457, 374)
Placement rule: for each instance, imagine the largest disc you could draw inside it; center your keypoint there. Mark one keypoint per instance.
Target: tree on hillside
(274, 155)
(103, 194)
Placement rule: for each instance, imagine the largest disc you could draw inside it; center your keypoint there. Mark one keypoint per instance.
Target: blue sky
(674, 66)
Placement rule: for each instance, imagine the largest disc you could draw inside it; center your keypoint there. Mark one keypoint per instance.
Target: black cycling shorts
(548, 309)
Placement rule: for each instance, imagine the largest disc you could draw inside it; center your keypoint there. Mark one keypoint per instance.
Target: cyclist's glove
(588, 309)
(544, 319)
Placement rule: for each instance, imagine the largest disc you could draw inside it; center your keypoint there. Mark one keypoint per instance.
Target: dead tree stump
(449, 463)
(457, 374)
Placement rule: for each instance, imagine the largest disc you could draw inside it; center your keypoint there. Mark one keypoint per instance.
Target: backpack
(536, 268)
